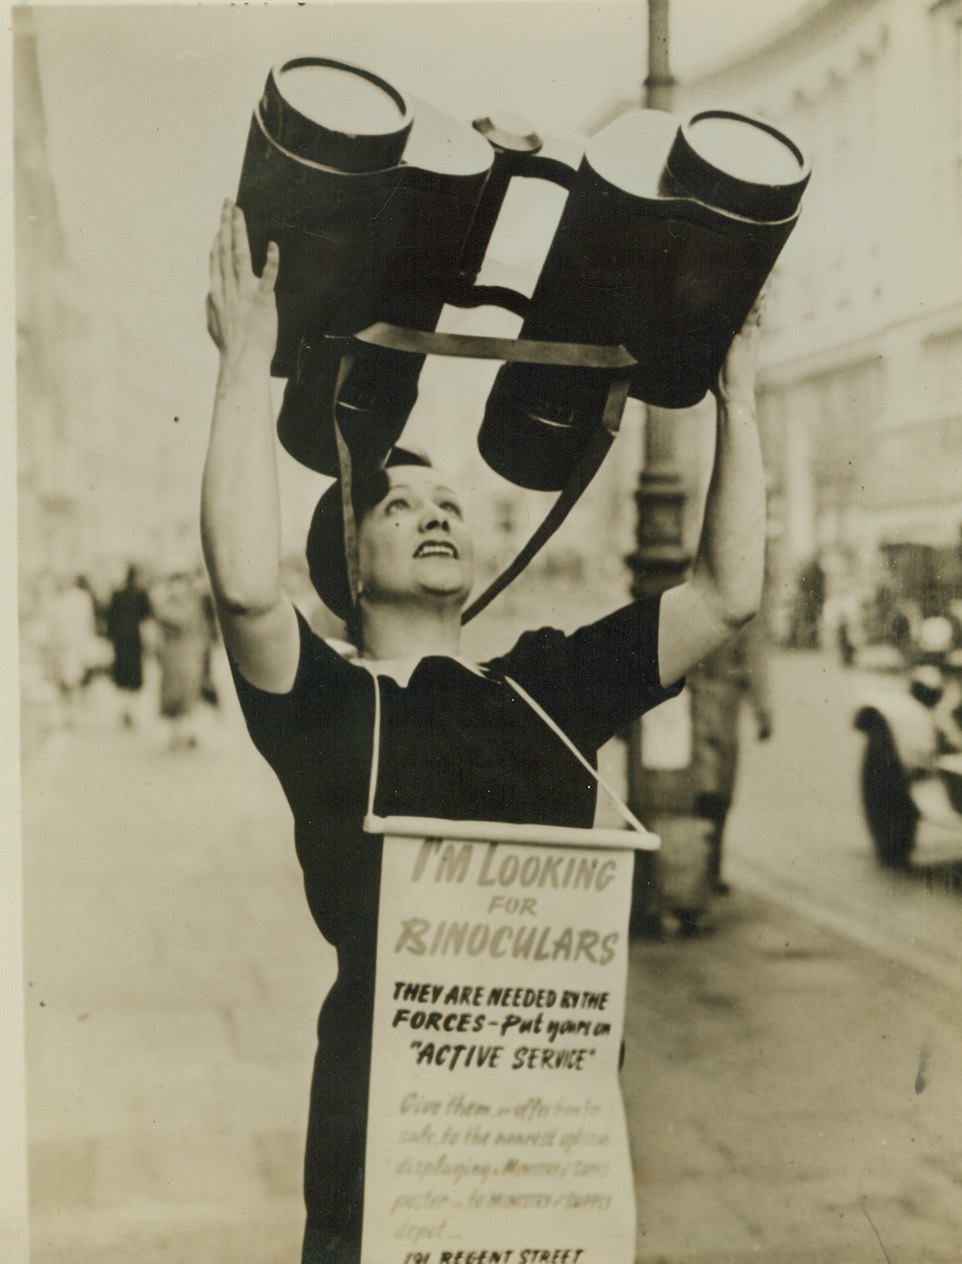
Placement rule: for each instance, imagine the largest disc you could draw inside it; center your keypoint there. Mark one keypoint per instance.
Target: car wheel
(892, 816)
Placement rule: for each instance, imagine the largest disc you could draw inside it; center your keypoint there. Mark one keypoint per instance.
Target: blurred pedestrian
(845, 619)
(736, 673)
(183, 652)
(808, 607)
(208, 686)
(76, 649)
(128, 608)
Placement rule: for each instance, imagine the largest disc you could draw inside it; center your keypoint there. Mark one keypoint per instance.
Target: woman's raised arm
(240, 510)
(725, 588)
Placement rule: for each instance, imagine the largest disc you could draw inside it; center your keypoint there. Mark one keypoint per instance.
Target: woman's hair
(326, 558)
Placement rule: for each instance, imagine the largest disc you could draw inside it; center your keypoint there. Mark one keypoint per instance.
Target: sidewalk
(174, 979)
(792, 1099)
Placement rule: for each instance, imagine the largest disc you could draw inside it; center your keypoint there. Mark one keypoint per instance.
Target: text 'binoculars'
(383, 209)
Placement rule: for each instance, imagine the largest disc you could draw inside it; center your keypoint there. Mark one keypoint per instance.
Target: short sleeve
(277, 721)
(596, 681)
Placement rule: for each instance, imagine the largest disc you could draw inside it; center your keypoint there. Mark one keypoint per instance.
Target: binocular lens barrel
(663, 246)
(334, 114)
(364, 235)
(745, 151)
(342, 100)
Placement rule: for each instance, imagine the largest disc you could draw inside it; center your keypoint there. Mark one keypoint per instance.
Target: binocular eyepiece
(383, 209)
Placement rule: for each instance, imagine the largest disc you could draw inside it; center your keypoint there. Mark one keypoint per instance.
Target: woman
(129, 608)
(455, 740)
(183, 653)
(735, 673)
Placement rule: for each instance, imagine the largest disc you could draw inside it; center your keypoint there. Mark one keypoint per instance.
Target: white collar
(402, 669)
(398, 669)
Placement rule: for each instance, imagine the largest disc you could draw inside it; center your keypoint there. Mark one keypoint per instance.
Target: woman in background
(183, 652)
(127, 610)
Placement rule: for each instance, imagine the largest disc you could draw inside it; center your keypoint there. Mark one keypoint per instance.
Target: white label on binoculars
(496, 1130)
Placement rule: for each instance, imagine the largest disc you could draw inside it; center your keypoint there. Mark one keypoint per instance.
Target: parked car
(912, 763)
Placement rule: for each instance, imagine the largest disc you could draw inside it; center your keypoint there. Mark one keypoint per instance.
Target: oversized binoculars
(383, 209)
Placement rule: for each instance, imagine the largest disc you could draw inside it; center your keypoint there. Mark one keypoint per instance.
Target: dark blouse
(455, 744)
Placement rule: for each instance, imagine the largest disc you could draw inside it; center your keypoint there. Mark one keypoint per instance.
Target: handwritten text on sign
(496, 1130)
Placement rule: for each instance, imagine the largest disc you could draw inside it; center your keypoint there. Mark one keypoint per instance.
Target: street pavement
(793, 1094)
(795, 1083)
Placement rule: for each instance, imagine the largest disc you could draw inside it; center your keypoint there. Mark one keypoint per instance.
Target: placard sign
(496, 1130)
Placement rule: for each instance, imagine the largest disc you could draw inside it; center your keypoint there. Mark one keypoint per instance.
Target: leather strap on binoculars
(616, 360)
(588, 465)
(474, 347)
(347, 487)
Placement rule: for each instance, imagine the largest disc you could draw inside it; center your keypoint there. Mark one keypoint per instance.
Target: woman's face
(414, 542)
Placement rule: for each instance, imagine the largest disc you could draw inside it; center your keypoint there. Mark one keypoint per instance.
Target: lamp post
(660, 82)
(660, 558)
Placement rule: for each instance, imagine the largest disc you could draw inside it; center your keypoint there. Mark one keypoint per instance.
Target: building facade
(861, 391)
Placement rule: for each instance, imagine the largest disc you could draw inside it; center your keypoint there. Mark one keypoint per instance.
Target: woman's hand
(736, 381)
(240, 508)
(241, 307)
